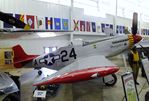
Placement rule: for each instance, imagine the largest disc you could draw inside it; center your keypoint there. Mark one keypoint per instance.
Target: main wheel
(39, 72)
(112, 79)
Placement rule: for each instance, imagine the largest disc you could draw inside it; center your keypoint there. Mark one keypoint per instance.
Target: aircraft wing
(80, 70)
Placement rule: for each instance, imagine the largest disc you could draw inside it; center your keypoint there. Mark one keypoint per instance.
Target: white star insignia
(49, 59)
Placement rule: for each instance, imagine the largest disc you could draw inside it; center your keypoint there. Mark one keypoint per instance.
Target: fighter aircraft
(84, 61)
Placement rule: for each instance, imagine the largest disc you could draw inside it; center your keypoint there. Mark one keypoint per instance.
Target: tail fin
(18, 51)
(20, 57)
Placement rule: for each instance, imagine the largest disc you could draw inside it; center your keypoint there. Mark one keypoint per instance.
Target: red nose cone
(137, 38)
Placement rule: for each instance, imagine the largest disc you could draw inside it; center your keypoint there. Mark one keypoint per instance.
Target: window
(49, 49)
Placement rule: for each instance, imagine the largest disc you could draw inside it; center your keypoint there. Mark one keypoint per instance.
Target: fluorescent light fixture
(46, 34)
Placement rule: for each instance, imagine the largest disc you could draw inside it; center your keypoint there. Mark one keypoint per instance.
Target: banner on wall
(30, 20)
(65, 24)
(57, 23)
(49, 22)
(6, 25)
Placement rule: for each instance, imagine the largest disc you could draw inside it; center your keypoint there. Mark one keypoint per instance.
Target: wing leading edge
(78, 71)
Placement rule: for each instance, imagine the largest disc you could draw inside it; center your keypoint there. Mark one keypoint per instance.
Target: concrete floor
(93, 90)
(82, 91)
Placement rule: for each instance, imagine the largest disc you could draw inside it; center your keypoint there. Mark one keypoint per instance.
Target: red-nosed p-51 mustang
(85, 61)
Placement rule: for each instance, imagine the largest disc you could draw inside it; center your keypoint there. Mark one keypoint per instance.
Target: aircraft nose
(137, 38)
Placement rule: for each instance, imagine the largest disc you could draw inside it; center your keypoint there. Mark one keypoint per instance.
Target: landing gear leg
(39, 71)
(110, 80)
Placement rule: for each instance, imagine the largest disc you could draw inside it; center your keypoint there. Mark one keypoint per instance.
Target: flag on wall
(120, 29)
(57, 23)
(30, 21)
(93, 27)
(76, 25)
(82, 25)
(19, 17)
(40, 22)
(6, 25)
(49, 23)
(88, 29)
(103, 26)
(65, 24)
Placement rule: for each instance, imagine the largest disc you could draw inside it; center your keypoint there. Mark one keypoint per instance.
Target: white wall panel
(34, 7)
(53, 10)
(35, 46)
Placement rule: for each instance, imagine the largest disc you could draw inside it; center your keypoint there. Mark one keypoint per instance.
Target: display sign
(129, 87)
(145, 64)
(40, 93)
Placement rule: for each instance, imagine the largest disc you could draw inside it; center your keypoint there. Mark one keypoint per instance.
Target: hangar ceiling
(125, 8)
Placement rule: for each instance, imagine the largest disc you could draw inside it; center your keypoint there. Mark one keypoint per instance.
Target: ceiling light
(46, 34)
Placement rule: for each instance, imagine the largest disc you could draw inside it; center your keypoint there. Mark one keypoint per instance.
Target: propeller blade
(135, 23)
(13, 21)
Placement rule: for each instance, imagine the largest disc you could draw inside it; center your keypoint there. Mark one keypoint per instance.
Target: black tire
(112, 82)
(12, 97)
(39, 72)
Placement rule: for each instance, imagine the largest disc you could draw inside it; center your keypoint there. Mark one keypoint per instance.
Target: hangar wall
(35, 46)
(39, 8)
(48, 9)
